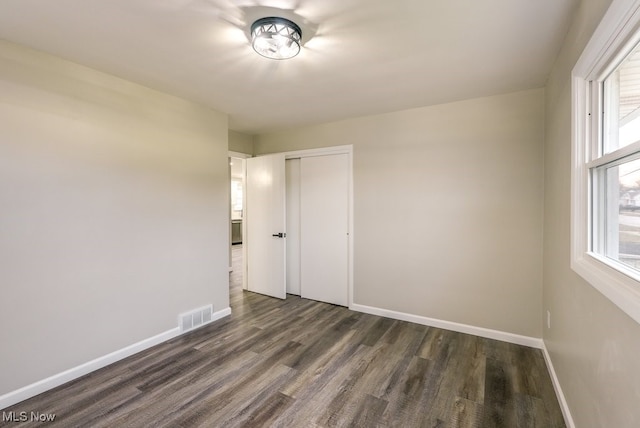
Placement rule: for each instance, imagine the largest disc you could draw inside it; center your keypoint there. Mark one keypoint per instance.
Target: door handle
(280, 235)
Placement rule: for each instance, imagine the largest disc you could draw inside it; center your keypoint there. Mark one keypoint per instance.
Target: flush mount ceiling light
(276, 38)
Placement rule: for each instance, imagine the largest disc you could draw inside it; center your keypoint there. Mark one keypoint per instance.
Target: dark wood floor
(299, 363)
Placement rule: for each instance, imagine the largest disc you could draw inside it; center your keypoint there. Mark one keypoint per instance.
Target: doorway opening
(237, 204)
(299, 225)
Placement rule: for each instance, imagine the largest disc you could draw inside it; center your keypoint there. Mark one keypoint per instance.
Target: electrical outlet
(548, 319)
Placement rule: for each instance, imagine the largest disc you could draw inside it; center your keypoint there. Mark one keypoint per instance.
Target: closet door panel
(324, 198)
(292, 167)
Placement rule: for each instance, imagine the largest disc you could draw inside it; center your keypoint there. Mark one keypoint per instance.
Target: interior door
(265, 218)
(324, 228)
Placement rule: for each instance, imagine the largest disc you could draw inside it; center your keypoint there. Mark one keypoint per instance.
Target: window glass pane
(622, 104)
(622, 213)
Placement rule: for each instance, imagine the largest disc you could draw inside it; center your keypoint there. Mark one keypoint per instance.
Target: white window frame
(618, 31)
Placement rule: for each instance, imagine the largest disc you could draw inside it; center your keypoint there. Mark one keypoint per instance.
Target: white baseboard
(51, 382)
(568, 419)
(220, 314)
(448, 325)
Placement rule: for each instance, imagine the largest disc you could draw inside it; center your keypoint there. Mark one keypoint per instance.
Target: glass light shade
(276, 38)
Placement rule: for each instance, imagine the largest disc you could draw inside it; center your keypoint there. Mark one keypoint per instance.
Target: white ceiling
(360, 57)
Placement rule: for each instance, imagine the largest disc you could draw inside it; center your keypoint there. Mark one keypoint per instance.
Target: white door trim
(346, 149)
(239, 155)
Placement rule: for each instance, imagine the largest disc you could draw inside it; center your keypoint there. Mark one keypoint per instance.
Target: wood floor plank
(530, 412)
(299, 363)
(461, 355)
(466, 414)
(381, 326)
(267, 414)
(368, 413)
(315, 389)
(321, 342)
(237, 403)
(472, 385)
(313, 366)
(499, 405)
(394, 362)
(344, 402)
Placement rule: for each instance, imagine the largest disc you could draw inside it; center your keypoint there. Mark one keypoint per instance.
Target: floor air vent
(196, 318)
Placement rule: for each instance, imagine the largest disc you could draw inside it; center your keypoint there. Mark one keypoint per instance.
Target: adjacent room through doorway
(236, 215)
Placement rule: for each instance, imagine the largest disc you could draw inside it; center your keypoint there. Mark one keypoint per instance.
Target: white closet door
(324, 228)
(292, 167)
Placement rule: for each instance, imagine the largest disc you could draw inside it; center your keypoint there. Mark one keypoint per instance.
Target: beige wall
(239, 142)
(113, 214)
(595, 347)
(448, 208)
